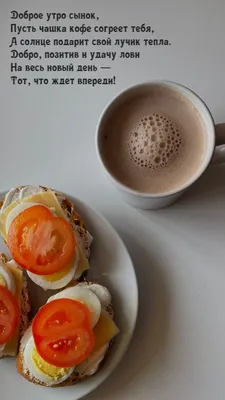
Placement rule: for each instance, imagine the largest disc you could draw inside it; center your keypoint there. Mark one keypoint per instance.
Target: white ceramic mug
(215, 151)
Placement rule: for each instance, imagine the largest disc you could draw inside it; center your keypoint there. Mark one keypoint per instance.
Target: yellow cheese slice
(83, 264)
(12, 346)
(2, 281)
(58, 275)
(105, 330)
(48, 199)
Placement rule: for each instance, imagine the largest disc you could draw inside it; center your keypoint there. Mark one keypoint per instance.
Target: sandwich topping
(40, 242)
(70, 333)
(42, 237)
(62, 332)
(9, 307)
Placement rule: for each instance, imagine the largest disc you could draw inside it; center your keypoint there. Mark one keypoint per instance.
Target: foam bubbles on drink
(155, 140)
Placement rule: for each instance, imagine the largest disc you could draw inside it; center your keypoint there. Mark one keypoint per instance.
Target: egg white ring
(2, 346)
(101, 292)
(35, 371)
(48, 285)
(85, 296)
(8, 277)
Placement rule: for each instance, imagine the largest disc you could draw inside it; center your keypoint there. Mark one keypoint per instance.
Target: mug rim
(177, 86)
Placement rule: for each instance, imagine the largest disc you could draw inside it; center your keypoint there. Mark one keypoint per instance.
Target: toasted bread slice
(79, 374)
(11, 348)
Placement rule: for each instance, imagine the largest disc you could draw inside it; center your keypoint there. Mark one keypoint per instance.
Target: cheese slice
(2, 281)
(12, 346)
(104, 331)
(50, 200)
(83, 264)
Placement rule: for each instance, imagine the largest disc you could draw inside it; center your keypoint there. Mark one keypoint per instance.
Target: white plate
(110, 265)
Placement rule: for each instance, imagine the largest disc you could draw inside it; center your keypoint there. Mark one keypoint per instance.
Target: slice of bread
(75, 376)
(24, 309)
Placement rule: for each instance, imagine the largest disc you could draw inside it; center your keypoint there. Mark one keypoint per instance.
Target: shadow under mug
(215, 147)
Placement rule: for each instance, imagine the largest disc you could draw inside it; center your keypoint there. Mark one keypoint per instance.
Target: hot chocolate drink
(153, 140)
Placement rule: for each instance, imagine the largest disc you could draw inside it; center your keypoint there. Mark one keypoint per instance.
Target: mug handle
(219, 154)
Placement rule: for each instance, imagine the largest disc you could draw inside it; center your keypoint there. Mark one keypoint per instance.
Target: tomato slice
(62, 332)
(39, 242)
(9, 315)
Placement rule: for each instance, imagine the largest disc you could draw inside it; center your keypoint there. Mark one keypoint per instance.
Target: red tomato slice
(9, 315)
(62, 332)
(40, 242)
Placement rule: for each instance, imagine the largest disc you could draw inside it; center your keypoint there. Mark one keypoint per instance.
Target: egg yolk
(58, 275)
(48, 369)
(2, 281)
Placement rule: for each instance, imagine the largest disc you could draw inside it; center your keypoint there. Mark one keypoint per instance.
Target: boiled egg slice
(2, 347)
(7, 279)
(101, 292)
(59, 279)
(83, 295)
(40, 369)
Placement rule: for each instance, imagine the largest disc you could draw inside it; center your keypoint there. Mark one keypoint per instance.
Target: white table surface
(47, 137)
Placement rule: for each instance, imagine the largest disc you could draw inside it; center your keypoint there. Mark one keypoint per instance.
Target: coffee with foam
(153, 140)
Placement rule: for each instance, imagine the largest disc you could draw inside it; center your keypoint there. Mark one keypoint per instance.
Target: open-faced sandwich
(69, 336)
(45, 235)
(14, 306)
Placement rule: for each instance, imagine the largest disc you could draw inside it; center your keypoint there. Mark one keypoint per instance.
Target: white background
(47, 137)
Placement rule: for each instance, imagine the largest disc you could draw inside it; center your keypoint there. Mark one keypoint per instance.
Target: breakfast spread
(69, 336)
